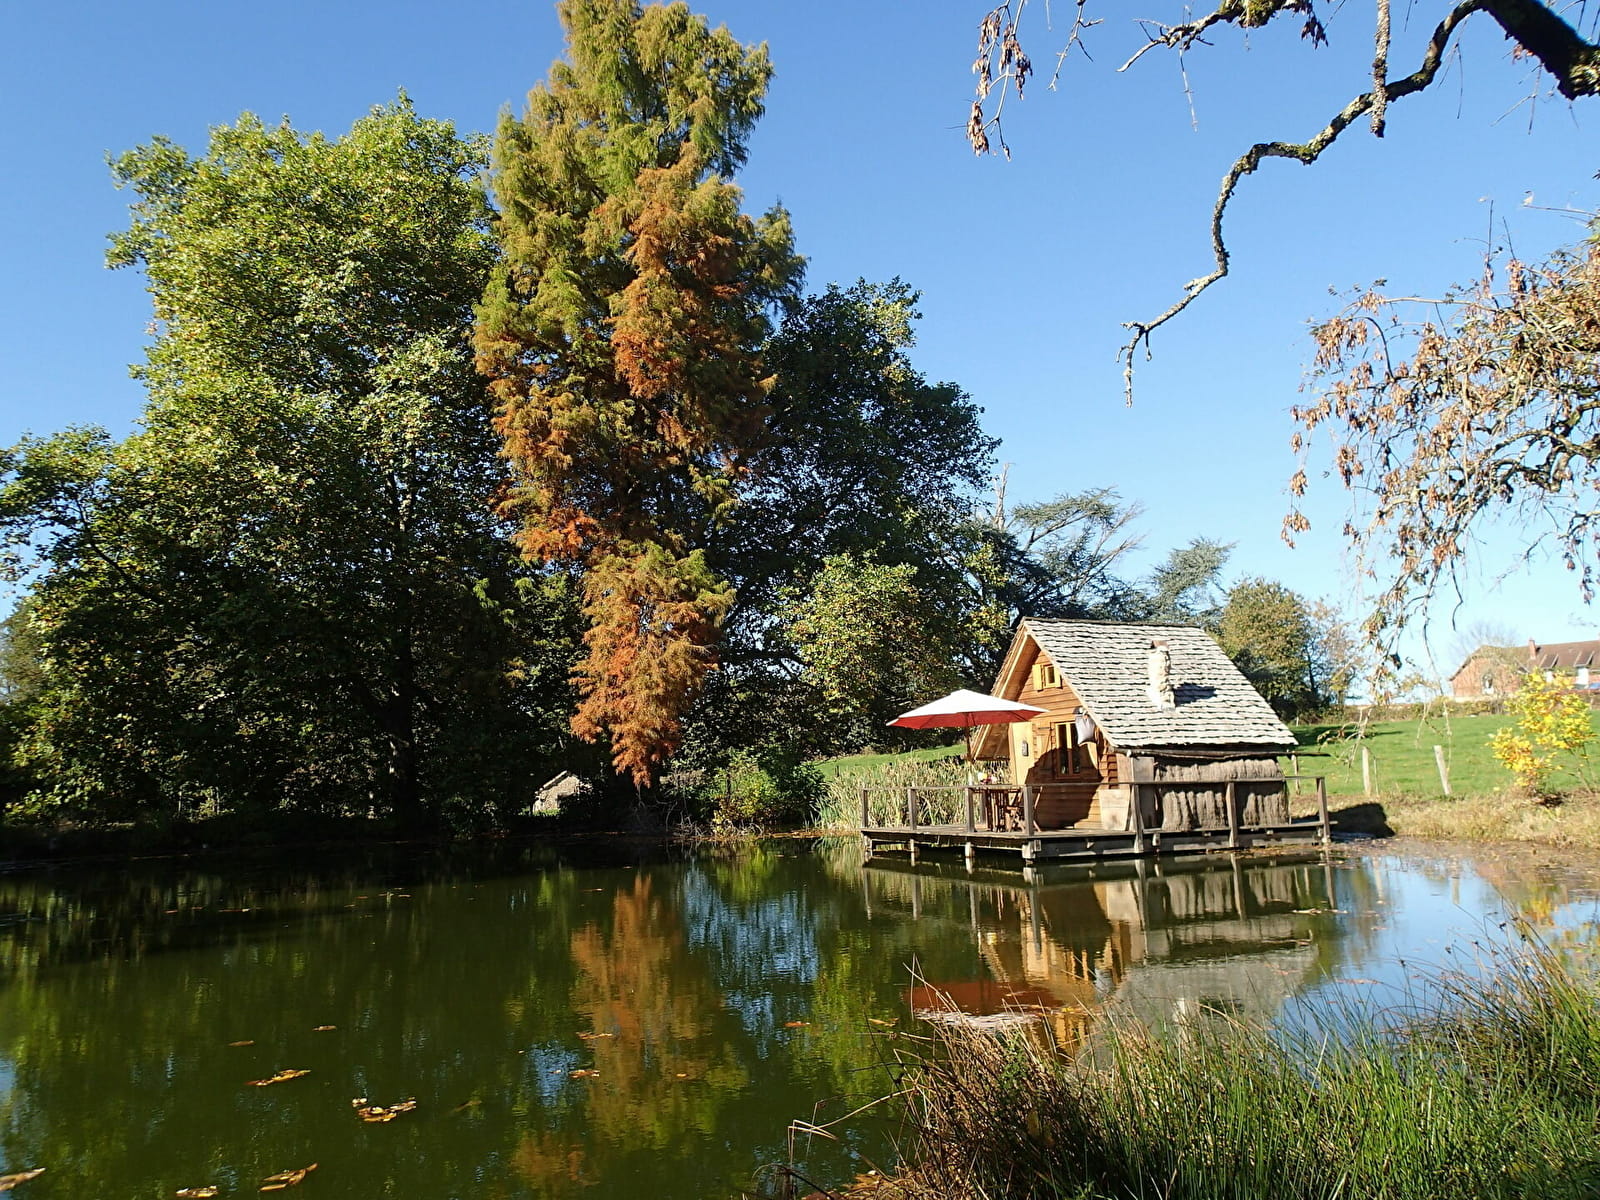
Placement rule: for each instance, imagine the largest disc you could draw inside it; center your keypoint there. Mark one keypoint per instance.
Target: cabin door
(1022, 751)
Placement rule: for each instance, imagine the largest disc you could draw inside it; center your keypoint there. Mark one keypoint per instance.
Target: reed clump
(1491, 1090)
(939, 798)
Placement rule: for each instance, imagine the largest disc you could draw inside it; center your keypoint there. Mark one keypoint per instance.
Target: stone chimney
(1160, 663)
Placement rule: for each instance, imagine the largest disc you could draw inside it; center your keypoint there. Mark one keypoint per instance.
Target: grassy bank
(1495, 818)
(1487, 1092)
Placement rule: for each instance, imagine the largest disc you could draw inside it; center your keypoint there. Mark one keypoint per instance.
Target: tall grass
(1493, 1092)
(886, 782)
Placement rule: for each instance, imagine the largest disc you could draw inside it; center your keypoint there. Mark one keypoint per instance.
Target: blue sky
(1027, 268)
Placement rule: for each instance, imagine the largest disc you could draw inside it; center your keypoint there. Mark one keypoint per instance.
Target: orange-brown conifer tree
(622, 340)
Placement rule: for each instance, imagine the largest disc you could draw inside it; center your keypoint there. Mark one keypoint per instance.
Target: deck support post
(971, 855)
(911, 808)
(1322, 809)
(1139, 846)
(866, 817)
(1027, 811)
(971, 820)
(1230, 800)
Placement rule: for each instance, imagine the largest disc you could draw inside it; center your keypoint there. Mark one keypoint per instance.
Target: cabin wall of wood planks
(1062, 797)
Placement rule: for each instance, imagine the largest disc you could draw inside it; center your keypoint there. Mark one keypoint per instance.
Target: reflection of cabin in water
(1158, 945)
(1148, 731)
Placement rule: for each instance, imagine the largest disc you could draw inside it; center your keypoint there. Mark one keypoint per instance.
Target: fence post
(1322, 809)
(971, 821)
(911, 807)
(1027, 811)
(1231, 801)
(1366, 771)
(866, 816)
(1294, 770)
(1444, 772)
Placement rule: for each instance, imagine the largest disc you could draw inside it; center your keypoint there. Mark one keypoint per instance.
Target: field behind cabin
(1403, 761)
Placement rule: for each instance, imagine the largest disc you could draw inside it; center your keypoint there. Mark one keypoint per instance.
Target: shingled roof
(1107, 665)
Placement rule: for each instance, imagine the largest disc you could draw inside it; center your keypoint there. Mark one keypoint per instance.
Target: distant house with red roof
(1492, 671)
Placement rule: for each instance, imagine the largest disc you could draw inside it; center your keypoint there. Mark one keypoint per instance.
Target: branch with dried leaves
(1444, 414)
(1539, 33)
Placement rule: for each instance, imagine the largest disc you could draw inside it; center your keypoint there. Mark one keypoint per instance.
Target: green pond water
(608, 1019)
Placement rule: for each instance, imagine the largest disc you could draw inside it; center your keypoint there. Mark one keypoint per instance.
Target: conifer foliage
(622, 340)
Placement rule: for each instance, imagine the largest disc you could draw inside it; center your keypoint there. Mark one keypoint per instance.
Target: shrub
(1552, 723)
(760, 788)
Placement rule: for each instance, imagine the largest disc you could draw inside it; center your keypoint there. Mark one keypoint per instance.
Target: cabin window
(1044, 675)
(1069, 751)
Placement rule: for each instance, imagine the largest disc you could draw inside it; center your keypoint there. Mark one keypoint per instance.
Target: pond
(616, 1019)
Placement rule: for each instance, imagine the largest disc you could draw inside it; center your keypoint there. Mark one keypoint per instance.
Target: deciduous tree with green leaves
(288, 589)
(623, 338)
(873, 642)
(1267, 630)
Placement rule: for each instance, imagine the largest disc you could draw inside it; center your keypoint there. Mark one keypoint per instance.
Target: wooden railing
(987, 796)
(1143, 833)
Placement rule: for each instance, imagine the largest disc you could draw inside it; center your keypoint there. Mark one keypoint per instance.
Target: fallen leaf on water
(584, 1073)
(683, 1074)
(7, 1182)
(795, 1024)
(589, 1037)
(466, 1104)
(286, 1179)
(324, 1029)
(376, 1114)
(280, 1077)
(199, 1193)
(245, 1042)
(875, 1021)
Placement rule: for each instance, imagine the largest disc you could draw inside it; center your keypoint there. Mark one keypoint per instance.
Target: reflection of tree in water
(669, 1060)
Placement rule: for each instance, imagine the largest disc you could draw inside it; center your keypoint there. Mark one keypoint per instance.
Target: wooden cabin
(1153, 711)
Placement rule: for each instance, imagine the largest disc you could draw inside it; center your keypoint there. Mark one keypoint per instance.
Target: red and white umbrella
(963, 710)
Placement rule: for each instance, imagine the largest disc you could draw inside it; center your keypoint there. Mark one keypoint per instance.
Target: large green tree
(863, 468)
(288, 587)
(1269, 631)
(623, 339)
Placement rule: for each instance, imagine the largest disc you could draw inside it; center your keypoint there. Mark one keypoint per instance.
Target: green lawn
(1402, 756)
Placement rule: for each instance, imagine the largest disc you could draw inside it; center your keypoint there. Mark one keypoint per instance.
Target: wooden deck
(1084, 843)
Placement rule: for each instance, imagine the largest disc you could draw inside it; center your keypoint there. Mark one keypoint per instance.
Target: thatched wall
(1200, 798)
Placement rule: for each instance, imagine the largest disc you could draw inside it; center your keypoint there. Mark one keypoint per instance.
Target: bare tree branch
(1537, 30)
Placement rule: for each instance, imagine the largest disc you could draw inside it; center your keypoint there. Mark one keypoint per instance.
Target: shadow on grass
(1366, 818)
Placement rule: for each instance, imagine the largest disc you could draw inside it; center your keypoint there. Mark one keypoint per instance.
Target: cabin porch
(1041, 822)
